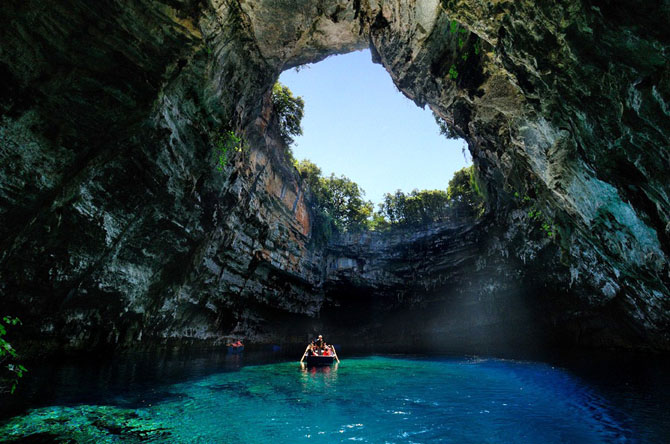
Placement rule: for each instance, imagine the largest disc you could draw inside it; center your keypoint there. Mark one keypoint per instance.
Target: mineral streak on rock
(118, 230)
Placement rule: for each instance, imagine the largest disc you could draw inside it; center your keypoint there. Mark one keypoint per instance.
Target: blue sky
(358, 124)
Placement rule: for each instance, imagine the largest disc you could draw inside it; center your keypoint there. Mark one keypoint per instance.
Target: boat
(236, 347)
(318, 361)
(319, 357)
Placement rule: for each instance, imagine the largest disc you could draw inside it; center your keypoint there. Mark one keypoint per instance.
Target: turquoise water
(373, 399)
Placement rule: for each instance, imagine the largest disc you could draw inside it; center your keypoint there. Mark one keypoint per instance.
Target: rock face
(118, 229)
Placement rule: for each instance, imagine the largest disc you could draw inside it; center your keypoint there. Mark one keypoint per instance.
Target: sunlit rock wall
(565, 108)
(118, 229)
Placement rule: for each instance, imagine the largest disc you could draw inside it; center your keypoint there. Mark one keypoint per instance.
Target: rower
(318, 342)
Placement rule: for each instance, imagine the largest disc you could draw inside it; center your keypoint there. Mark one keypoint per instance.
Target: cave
(119, 232)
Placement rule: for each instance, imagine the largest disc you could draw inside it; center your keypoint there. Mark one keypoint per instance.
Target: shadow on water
(126, 380)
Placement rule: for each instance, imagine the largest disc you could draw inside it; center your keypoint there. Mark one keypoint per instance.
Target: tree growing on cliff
(310, 174)
(462, 198)
(339, 201)
(445, 129)
(289, 111)
(11, 371)
(345, 203)
(417, 207)
(464, 193)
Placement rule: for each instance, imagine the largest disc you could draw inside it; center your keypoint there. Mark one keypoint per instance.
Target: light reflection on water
(375, 399)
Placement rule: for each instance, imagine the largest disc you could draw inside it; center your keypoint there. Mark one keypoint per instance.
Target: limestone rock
(118, 230)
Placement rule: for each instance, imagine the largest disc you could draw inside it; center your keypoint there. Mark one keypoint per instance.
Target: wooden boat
(319, 360)
(319, 357)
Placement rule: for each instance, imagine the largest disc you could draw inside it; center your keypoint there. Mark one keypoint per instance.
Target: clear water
(372, 399)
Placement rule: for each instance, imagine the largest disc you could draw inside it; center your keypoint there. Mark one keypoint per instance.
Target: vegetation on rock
(226, 144)
(11, 371)
(534, 213)
(417, 207)
(340, 207)
(464, 193)
(289, 111)
(445, 129)
(462, 199)
(339, 201)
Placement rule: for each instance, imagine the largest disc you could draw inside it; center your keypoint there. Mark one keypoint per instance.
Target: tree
(345, 202)
(310, 173)
(445, 130)
(464, 194)
(379, 222)
(462, 198)
(393, 207)
(289, 111)
(417, 207)
(338, 200)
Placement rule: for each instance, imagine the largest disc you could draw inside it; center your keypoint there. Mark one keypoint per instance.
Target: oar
(304, 354)
(335, 353)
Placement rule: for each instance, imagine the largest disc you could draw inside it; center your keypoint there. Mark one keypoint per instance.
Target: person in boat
(319, 342)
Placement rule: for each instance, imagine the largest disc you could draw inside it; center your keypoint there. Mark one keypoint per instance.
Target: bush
(338, 200)
(225, 145)
(289, 111)
(12, 371)
(464, 194)
(417, 207)
(445, 130)
(462, 198)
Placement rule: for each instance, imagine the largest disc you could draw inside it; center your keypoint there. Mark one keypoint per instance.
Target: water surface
(372, 399)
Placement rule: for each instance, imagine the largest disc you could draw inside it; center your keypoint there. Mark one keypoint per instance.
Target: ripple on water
(372, 400)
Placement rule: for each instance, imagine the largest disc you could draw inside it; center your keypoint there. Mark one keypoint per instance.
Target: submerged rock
(118, 230)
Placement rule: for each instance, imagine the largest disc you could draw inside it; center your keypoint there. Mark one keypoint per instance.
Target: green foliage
(289, 111)
(445, 130)
(339, 202)
(339, 205)
(464, 193)
(225, 145)
(379, 222)
(417, 207)
(310, 173)
(462, 199)
(323, 227)
(453, 72)
(463, 53)
(344, 202)
(12, 370)
(544, 222)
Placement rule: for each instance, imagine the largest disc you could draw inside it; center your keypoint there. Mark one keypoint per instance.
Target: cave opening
(357, 123)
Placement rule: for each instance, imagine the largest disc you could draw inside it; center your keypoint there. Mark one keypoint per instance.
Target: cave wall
(566, 104)
(118, 229)
(117, 226)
